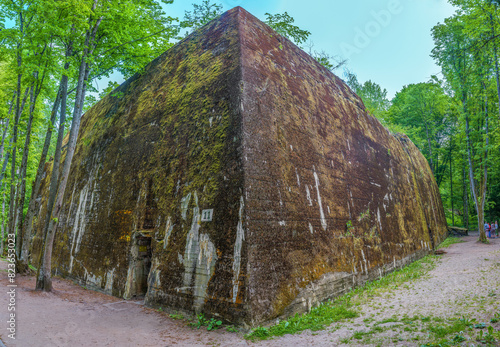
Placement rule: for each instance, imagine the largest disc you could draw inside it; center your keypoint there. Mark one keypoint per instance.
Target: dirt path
(465, 283)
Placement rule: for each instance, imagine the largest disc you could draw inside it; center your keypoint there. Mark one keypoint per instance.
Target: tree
(201, 15)
(425, 111)
(113, 32)
(373, 96)
(464, 69)
(282, 23)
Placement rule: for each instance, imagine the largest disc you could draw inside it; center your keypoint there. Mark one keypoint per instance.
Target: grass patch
(232, 329)
(176, 316)
(411, 272)
(317, 319)
(388, 320)
(450, 241)
(433, 331)
(444, 329)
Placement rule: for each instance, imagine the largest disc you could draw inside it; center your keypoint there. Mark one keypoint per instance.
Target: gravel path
(465, 283)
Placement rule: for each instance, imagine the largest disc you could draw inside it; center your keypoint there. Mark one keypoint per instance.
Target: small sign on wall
(206, 215)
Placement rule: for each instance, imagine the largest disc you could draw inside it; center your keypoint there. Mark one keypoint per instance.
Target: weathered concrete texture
(328, 189)
(310, 194)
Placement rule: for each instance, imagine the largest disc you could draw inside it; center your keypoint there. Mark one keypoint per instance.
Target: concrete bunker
(309, 195)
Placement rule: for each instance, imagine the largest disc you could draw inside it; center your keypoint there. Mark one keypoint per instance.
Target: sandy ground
(464, 283)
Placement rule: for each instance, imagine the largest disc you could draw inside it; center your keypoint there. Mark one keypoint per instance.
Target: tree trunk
(6, 130)
(44, 280)
(495, 56)
(13, 190)
(3, 225)
(21, 266)
(2, 146)
(43, 276)
(21, 190)
(28, 226)
(465, 195)
(484, 183)
(451, 186)
(479, 211)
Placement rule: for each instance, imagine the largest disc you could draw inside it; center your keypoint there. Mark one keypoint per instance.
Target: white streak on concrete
(240, 237)
(207, 252)
(308, 195)
(79, 226)
(364, 260)
(168, 232)
(322, 214)
(109, 281)
(184, 205)
(92, 279)
(378, 218)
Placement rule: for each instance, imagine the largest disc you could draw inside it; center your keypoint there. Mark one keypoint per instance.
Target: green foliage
(232, 329)
(317, 319)
(130, 34)
(349, 228)
(466, 48)
(176, 316)
(213, 324)
(201, 15)
(373, 96)
(496, 318)
(283, 25)
(201, 321)
(364, 215)
(111, 86)
(450, 241)
(429, 118)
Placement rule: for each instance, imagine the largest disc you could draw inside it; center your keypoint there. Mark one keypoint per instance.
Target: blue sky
(387, 41)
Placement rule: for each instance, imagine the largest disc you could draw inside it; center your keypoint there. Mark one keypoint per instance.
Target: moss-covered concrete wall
(332, 198)
(150, 158)
(310, 194)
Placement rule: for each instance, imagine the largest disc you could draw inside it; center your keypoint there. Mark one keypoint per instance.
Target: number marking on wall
(206, 215)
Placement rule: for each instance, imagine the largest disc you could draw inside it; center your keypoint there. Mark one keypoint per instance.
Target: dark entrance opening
(140, 250)
(140, 265)
(143, 266)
